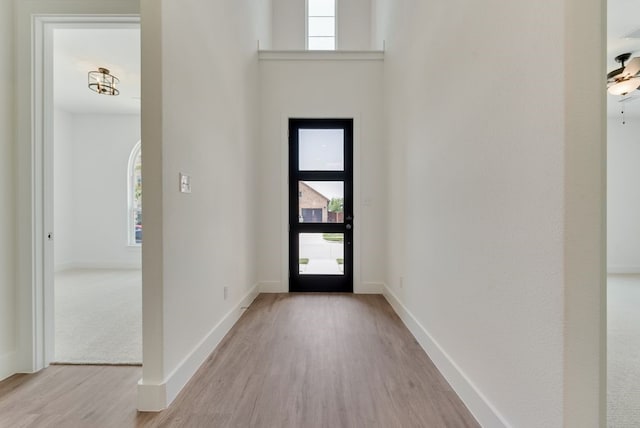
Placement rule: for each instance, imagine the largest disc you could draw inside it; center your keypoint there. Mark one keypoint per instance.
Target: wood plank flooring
(293, 360)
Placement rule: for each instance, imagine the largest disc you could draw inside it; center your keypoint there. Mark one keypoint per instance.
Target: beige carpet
(98, 317)
(623, 351)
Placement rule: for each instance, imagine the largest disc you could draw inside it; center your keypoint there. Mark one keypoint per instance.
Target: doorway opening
(92, 195)
(321, 205)
(623, 230)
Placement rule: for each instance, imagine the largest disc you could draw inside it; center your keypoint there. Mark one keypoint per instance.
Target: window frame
(335, 28)
(131, 208)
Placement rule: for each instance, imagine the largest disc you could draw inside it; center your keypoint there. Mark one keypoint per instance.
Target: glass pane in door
(321, 149)
(321, 253)
(321, 201)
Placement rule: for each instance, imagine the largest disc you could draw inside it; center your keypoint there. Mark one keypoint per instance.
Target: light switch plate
(185, 183)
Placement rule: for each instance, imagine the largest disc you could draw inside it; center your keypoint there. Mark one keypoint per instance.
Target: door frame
(334, 283)
(358, 286)
(40, 348)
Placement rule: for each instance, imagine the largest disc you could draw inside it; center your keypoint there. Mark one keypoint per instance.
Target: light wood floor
(293, 360)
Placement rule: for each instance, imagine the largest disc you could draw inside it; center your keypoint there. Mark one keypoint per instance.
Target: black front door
(321, 205)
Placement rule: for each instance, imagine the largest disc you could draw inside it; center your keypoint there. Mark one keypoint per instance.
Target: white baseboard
(484, 412)
(152, 397)
(98, 265)
(7, 365)
(623, 269)
(272, 287)
(369, 288)
(156, 397)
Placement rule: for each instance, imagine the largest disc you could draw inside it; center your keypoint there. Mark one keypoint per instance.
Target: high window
(321, 25)
(135, 196)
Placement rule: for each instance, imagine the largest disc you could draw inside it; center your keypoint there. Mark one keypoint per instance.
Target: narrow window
(135, 196)
(321, 25)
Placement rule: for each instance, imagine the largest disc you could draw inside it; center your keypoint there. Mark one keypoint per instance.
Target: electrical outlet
(226, 292)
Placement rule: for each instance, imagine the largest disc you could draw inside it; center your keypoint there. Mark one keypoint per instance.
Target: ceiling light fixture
(625, 79)
(623, 87)
(102, 82)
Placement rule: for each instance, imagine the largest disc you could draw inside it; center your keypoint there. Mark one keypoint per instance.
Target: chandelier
(102, 82)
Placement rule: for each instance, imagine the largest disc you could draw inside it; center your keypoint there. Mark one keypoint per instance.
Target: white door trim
(42, 318)
(358, 286)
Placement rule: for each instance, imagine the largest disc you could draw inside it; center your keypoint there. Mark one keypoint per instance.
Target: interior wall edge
(585, 260)
(152, 131)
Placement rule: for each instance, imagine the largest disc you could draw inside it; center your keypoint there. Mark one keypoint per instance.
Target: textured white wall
(90, 190)
(478, 188)
(353, 27)
(288, 28)
(100, 189)
(7, 196)
(354, 24)
(205, 240)
(623, 196)
(63, 194)
(209, 234)
(321, 89)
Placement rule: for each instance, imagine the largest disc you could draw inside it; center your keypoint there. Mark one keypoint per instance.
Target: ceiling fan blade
(632, 68)
(612, 75)
(632, 96)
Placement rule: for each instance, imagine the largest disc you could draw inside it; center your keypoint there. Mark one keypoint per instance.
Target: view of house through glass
(321, 202)
(321, 25)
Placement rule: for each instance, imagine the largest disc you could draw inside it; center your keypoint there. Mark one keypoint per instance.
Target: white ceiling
(623, 19)
(78, 51)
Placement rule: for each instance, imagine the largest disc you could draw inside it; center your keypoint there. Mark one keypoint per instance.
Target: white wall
(7, 196)
(63, 190)
(481, 259)
(623, 196)
(90, 190)
(101, 167)
(353, 27)
(203, 122)
(321, 88)
(288, 28)
(354, 24)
